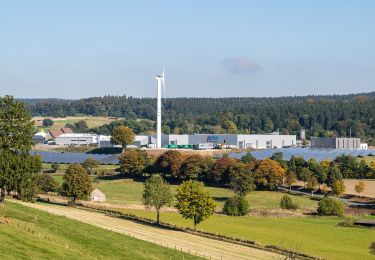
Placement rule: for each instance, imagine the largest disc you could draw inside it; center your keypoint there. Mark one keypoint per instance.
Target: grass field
(127, 191)
(62, 168)
(92, 121)
(312, 235)
(34, 234)
(315, 236)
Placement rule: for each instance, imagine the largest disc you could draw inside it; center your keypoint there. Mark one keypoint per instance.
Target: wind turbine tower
(161, 83)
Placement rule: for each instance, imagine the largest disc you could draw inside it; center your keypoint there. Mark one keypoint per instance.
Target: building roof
(72, 135)
(57, 132)
(97, 193)
(42, 134)
(67, 130)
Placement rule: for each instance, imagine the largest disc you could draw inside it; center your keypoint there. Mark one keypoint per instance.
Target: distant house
(97, 196)
(53, 134)
(39, 137)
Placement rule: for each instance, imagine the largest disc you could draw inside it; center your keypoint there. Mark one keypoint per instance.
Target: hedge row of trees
(245, 174)
(320, 115)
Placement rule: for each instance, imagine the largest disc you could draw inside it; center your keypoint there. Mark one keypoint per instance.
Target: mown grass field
(34, 234)
(92, 121)
(123, 192)
(317, 236)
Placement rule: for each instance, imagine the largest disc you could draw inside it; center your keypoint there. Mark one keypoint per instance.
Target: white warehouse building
(77, 139)
(242, 141)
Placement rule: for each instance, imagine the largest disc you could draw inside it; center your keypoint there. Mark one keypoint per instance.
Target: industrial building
(77, 139)
(229, 140)
(336, 142)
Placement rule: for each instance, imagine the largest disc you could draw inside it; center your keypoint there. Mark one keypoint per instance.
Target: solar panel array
(307, 153)
(70, 158)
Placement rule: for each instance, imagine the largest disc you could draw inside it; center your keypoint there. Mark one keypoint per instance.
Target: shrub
(46, 183)
(236, 206)
(330, 207)
(55, 167)
(286, 202)
(372, 248)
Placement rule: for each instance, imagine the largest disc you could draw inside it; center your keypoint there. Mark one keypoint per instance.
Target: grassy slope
(315, 236)
(130, 192)
(35, 234)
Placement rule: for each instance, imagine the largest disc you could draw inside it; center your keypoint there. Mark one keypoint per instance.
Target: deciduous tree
(76, 183)
(338, 187)
(220, 170)
(156, 193)
(47, 122)
(241, 179)
(312, 184)
(194, 201)
(169, 163)
(133, 162)
(122, 135)
(90, 164)
(46, 183)
(360, 187)
(192, 168)
(290, 179)
(269, 173)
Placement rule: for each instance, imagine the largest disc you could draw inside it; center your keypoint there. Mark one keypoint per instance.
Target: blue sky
(74, 49)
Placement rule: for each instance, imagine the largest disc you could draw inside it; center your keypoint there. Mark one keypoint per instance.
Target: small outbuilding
(97, 196)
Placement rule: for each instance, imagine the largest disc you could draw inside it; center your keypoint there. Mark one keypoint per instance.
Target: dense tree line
(243, 176)
(320, 115)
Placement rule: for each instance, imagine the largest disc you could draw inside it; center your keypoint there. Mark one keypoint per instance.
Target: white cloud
(237, 65)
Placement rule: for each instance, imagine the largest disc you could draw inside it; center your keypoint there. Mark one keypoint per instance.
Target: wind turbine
(160, 83)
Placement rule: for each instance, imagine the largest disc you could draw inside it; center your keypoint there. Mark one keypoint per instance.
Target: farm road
(201, 246)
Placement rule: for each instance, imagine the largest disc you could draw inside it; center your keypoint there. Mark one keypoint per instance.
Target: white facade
(232, 140)
(141, 140)
(105, 141)
(77, 139)
(97, 196)
(363, 146)
(245, 141)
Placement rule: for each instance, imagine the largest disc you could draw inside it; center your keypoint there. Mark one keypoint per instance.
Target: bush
(372, 248)
(286, 202)
(236, 206)
(55, 167)
(330, 207)
(46, 183)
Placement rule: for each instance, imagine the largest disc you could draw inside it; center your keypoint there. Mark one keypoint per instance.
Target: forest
(340, 115)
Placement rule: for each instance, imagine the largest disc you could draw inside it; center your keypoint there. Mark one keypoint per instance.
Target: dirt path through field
(211, 249)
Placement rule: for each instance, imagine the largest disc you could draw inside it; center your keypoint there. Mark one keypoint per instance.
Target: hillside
(34, 234)
(320, 115)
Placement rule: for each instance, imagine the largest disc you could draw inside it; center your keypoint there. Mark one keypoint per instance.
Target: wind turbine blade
(165, 95)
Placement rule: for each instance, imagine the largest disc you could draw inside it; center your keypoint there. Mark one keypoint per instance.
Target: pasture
(317, 236)
(128, 192)
(59, 122)
(34, 234)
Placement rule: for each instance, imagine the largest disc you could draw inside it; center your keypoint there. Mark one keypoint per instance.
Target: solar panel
(306, 153)
(71, 158)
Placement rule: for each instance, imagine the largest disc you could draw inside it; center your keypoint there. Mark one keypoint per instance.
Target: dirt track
(174, 239)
